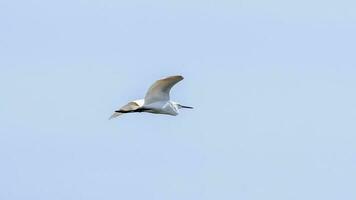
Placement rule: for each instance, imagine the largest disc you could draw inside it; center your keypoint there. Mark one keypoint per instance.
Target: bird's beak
(187, 107)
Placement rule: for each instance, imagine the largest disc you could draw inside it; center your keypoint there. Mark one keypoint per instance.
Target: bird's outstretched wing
(159, 91)
(131, 106)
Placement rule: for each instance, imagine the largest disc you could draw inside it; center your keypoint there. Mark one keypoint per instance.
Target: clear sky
(272, 82)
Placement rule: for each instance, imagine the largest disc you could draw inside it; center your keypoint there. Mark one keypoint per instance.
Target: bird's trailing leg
(131, 111)
(142, 110)
(124, 111)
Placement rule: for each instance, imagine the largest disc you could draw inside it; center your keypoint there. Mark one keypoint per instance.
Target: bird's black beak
(187, 107)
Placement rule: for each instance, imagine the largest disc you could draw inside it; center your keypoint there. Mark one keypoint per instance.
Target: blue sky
(272, 84)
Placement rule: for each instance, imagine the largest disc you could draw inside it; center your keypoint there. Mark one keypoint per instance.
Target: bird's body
(156, 101)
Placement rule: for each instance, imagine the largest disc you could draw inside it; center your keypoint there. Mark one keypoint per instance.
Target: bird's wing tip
(180, 76)
(114, 115)
(174, 76)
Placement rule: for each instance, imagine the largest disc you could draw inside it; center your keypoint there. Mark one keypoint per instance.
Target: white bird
(156, 101)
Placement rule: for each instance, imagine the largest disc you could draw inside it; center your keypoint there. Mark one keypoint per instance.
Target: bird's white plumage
(157, 99)
(133, 105)
(159, 91)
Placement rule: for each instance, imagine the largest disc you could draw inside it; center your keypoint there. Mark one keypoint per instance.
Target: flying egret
(156, 101)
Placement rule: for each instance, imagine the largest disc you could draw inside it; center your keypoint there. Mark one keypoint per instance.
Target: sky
(272, 84)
